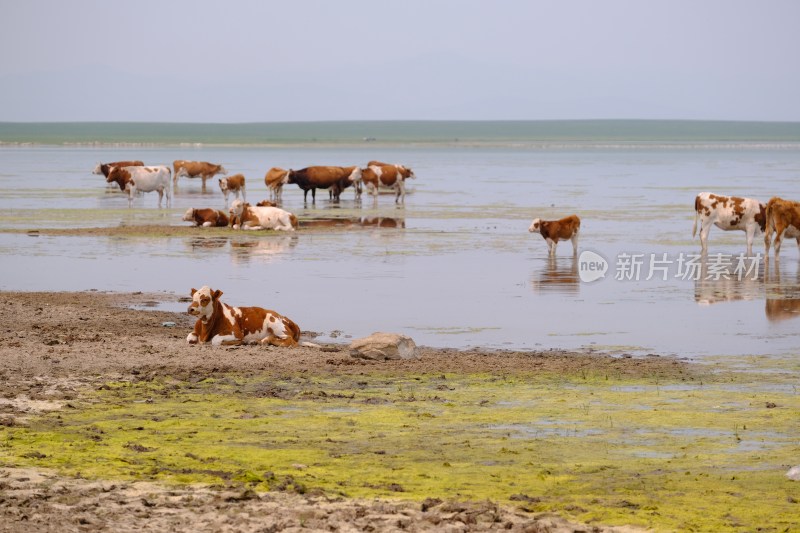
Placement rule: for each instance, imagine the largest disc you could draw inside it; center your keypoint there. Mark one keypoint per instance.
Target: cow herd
(778, 217)
(134, 176)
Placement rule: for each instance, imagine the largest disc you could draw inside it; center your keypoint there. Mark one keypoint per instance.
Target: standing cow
(728, 213)
(142, 179)
(275, 179)
(233, 184)
(321, 177)
(553, 231)
(379, 174)
(782, 219)
(196, 169)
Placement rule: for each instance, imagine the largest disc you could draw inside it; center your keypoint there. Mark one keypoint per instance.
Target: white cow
(728, 213)
(143, 179)
(245, 216)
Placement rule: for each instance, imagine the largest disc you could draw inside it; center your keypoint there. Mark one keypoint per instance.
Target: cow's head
(355, 175)
(118, 175)
(98, 169)
(203, 302)
(406, 172)
(188, 216)
(223, 184)
(237, 208)
(536, 226)
(222, 170)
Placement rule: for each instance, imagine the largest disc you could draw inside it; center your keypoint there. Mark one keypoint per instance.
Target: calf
(319, 177)
(142, 179)
(275, 179)
(222, 324)
(105, 168)
(233, 184)
(245, 216)
(558, 230)
(728, 213)
(383, 174)
(783, 219)
(206, 217)
(196, 169)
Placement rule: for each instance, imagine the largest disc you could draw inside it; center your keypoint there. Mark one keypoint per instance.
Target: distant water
(424, 132)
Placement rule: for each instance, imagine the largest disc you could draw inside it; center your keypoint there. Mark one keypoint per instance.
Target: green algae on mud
(670, 454)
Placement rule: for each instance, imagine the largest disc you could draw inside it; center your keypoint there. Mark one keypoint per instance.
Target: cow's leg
(313, 195)
(305, 196)
(750, 230)
(704, 229)
(160, 196)
(401, 191)
(779, 231)
(551, 246)
(225, 340)
(168, 191)
(244, 198)
(575, 244)
(204, 178)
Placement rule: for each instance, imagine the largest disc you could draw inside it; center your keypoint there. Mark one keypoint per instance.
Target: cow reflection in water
(262, 249)
(783, 295)
(719, 280)
(354, 222)
(207, 243)
(559, 275)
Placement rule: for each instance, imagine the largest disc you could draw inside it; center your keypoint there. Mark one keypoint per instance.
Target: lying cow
(222, 324)
(245, 216)
(782, 219)
(206, 217)
(319, 177)
(378, 174)
(275, 179)
(142, 179)
(233, 184)
(105, 168)
(196, 169)
(728, 213)
(558, 230)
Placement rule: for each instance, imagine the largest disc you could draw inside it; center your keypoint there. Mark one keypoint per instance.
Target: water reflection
(353, 222)
(728, 278)
(243, 251)
(559, 275)
(783, 295)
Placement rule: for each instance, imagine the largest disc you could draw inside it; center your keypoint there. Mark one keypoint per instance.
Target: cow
(196, 169)
(266, 203)
(206, 217)
(321, 177)
(275, 179)
(233, 184)
(558, 230)
(783, 219)
(245, 216)
(728, 213)
(105, 168)
(223, 325)
(142, 179)
(379, 174)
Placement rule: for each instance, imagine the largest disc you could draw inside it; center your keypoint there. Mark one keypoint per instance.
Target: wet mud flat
(109, 421)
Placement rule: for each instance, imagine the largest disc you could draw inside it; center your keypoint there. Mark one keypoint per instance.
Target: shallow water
(455, 267)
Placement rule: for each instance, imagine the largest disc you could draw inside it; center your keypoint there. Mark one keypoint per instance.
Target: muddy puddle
(455, 266)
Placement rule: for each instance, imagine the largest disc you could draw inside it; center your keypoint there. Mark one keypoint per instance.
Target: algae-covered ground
(94, 391)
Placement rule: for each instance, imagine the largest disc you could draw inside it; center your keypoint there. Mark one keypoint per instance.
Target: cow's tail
(293, 220)
(696, 214)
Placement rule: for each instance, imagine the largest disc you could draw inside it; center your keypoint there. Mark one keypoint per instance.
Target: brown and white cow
(246, 216)
(105, 168)
(275, 179)
(142, 179)
(196, 169)
(233, 184)
(378, 174)
(221, 324)
(782, 219)
(206, 217)
(553, 231)
(728, 213)
(322, 177)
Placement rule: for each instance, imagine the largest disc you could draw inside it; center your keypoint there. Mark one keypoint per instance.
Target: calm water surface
(456, 266)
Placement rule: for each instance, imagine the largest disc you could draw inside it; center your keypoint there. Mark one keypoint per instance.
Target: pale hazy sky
(300, 60)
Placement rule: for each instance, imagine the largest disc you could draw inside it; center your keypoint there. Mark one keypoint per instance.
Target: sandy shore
(53, 345)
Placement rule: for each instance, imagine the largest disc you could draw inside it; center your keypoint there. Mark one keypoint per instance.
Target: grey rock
(381, 346)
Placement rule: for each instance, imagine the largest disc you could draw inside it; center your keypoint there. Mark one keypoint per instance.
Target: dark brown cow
(105, 168)
(222, 324)
(206, 217)
(322, 177)
(553, 231)
(196, 169)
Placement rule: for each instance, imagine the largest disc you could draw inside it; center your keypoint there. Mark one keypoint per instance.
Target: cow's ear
(217, 294)
(193, 291)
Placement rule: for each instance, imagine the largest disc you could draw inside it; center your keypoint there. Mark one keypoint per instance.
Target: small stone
(382, 346)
